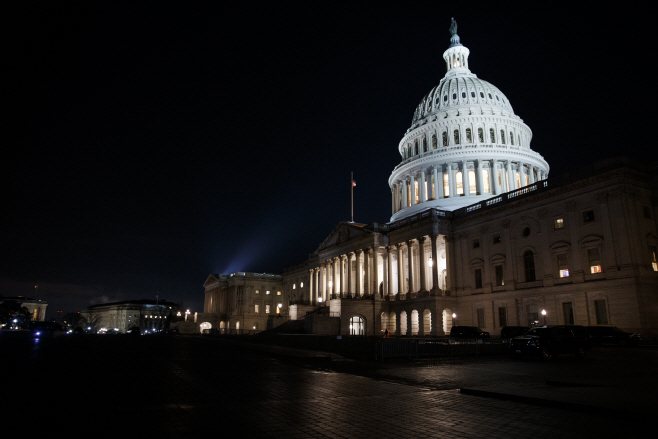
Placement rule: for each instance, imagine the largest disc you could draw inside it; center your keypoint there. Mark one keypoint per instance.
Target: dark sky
(149, 145)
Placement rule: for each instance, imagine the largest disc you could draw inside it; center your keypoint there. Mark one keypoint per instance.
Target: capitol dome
(464, 134)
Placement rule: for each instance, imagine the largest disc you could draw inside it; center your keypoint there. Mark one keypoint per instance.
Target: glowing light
(430, 263)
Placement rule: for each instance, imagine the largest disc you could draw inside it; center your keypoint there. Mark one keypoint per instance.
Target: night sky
(147, 146)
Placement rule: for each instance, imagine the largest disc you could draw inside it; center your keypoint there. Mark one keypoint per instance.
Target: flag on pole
(353, 183)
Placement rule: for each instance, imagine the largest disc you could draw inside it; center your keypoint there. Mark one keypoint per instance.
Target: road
(173, 387)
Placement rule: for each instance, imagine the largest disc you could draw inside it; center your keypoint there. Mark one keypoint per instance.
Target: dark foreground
(122, 386)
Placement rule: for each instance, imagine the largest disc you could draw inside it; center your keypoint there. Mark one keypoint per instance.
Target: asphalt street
(172, 387)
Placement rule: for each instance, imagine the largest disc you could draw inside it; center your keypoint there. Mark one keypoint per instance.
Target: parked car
(468, 332)
(513, 331)
(612, 335)
(550, 341)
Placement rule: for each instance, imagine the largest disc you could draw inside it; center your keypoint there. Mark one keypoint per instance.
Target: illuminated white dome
(464, 134)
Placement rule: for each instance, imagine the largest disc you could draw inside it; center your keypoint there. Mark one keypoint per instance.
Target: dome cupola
(465, 143)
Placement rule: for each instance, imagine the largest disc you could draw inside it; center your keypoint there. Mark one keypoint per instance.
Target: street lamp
(186, 314)
(454, 319)
(543, 312)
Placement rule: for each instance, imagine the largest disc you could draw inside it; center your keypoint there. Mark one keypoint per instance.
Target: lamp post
(543, 312)
(186, 314)
(454, 319)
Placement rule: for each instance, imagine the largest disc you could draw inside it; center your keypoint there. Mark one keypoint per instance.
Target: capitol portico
(478, 230)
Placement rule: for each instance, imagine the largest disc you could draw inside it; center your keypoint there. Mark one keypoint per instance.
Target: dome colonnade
(465, 144)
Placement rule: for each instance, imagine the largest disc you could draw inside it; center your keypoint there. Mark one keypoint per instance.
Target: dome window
(454, 96)
(463, 95)
(502, 137)
(445, 98)
(472, 94)
(511, 137)
(434, 141)
(497, 98)
(437, 101)
(482, 95)
(492, 135)
(481, 135)
(469, 137)
(490, 97)
(445, 138)
(456, 136)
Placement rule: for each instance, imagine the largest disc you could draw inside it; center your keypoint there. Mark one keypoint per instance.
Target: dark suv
(612, 335)
(468, 332)
(512, 331)
(550, 341)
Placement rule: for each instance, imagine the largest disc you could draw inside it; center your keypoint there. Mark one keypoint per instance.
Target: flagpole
(352, 193)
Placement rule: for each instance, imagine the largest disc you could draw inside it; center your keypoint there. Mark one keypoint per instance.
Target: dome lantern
(457, 55)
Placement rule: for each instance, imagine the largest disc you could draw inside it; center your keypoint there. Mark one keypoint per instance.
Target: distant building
(36, 307)
(144, 313)
(478, 230)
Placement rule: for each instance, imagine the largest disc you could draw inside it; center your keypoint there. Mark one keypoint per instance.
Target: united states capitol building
(478, 231)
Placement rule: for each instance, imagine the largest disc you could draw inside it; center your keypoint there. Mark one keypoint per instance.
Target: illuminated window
(502, 137)
(529, 266)
(257, 291)
(267, 309)
(654, 255)
(416, 192)
(446, 185)
(563, 265)
(278, 309)
(444, 136)
(480, 135)
(294, 286)
(601, 312)
(301, 285)
(594, 260)
(357, 326)
(456, 136)
(485, 179)
(518, 180)
(558, 223)
(469, 136)
(256, 308)
(492, 135)
(267, 292)
(278, 293)
(472, 187)
(460, 183)
(527, 181)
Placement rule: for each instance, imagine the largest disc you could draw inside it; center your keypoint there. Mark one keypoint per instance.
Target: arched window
(416, 147)
(472, 187)
(424, 145)
(434, 141)
(485, 180)
(445, 138)
(456, 136)
(502, 137)
(518, 180)
(480, 135)
(460, 183)
(492, 135)
(519, 139)
(416, 191)
(446, 185)
(529, 266)
(469, 136)
(511, 137)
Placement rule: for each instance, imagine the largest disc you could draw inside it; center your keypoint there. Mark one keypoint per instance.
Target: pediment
(211, 280)
(343, 233)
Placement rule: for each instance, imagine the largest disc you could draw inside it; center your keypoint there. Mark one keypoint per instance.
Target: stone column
(438, 187)
(522, 174)
(452, 187)
(465, 179)
(393, 199)
(511, 176)
(423, 194)
(324, 281)
(384, 255)
(359, 273)
(404, 194)
(349, 273)
(389, 264)
(412, 185)
(311, 278)
(496, 185)
(375, 270)
(421, 263)
(435, 265)
(412, 284)
(531, 174)
(366, 263)
(339, 275)
(449, 269)
(400, 270)
(479, 187)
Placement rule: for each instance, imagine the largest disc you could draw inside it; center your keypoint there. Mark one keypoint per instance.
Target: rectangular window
(476, 243)
(563, 265)
(278, 310)
(460, 183)
(278, 293)
(267, 292)
(446, 185)
(567, 311)
(533, 315)
(601, 312)
(485, 181)
(496, 238)
(294, 286)
(654, 255)
(594, 260)
(257, 291)
(588, 216)
(267, 309)
(472, 186)
(256, 309)
(502, 316)
(558, 223)
(481, 322)
(500, 280)
(478, 278)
